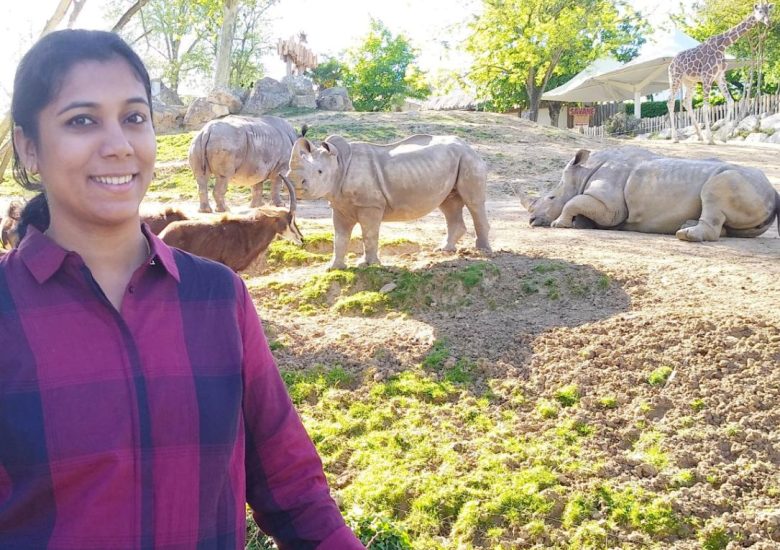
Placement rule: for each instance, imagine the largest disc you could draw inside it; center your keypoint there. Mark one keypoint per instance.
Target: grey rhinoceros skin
(244, 151)
(367, 183)
(634, 189)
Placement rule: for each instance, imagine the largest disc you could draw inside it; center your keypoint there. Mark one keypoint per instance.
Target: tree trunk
(5, 124)
(128, 15)
(554, 108)
(225, 48)
(77, 7)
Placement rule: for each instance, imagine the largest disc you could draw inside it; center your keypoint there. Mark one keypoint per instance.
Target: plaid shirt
(150, 427)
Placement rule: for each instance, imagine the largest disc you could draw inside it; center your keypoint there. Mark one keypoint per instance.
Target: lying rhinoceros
(637, 190)
(246, 151)
(367, 184)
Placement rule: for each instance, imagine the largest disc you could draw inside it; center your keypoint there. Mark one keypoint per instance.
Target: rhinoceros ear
(581, 156)
(330, 148)
(303, 145)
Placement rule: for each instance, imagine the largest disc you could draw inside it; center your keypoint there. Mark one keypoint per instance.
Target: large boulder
(750, 123)
(756, 137)
(227, 97)
(267, 95)
(167, 118)
(334, 99)
(163, 94)
(201, 110)
(771, 122)
(302, 90)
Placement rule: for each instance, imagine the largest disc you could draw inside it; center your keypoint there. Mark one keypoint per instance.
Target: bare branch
(77, 6)
(128, 15)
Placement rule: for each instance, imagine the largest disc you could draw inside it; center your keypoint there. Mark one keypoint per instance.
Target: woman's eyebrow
(93, 105)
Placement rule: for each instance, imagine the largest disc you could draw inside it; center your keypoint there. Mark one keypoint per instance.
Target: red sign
(582, 111)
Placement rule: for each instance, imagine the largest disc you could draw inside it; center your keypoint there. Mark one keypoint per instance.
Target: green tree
(520, 45)
(328, 74)
(760, 45)
(381, 71)
(172, 36)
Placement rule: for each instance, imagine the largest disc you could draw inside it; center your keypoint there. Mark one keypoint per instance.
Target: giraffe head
(761, 13)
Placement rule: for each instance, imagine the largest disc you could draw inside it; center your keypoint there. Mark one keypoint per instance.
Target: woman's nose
(115, 142)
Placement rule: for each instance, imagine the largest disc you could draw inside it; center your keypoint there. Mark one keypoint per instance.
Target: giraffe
(706, 63)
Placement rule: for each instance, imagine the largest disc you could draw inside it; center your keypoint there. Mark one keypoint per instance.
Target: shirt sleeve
(285, 484)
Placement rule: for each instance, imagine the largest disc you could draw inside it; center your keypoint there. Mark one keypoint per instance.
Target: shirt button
(131, 289)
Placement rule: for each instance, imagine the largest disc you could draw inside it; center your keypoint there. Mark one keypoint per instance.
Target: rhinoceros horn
(291, 190)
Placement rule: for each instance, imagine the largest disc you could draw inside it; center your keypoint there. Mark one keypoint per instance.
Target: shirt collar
(43, 257)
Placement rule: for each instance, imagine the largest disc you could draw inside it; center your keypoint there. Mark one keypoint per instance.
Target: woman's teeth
(113, 180)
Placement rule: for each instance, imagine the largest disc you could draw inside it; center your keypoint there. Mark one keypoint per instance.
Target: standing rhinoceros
(637, 190)
(367, 184)
(246, 151)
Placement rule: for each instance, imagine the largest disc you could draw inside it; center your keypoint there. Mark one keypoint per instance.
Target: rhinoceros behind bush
(367, 184)
(634, 189)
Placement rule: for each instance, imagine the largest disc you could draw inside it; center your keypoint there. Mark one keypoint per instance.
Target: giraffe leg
(674, 86)
(724, 89)
(688, 101)
(707, 130)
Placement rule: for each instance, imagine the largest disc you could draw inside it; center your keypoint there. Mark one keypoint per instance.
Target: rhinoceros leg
(276, 187)
(369, 220)
(727, 196)
(452, 208)
(203, 192)
(220, 188)
(600, 212)
(342, 232)
(257, 195)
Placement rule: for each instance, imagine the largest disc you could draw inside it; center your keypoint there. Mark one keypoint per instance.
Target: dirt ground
(710, 311)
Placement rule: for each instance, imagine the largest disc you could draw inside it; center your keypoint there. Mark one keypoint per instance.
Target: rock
(457, 100)
(227, 97)
(771, 122)
(389, 287)
(267, 95)
(725, 130)
(334, 99)
(666, 133)
(304, 101)
(164, 94)
(748, 124)
(411, 104)
(167, 118)
(774, 138)
(298, 85)
(201, 111)
(756, 137)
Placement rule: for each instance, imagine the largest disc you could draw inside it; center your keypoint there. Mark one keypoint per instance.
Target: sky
(331, 27)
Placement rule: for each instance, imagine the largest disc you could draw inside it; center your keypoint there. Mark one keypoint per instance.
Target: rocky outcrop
(167, 118)
(227, 97)
(267, 95)
(302, 90)
(334, 99)
(201, 110)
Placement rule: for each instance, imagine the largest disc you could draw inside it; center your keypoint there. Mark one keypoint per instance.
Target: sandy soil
(710, 311)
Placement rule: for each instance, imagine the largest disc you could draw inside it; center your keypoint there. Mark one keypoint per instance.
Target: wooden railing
(763, 104)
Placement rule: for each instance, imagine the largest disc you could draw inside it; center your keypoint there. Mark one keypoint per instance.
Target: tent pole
(637, 104)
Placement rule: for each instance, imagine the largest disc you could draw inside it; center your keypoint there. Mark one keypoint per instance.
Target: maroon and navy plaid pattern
(152, 427)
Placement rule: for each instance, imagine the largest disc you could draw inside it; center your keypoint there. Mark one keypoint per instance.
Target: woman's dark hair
(38, 80)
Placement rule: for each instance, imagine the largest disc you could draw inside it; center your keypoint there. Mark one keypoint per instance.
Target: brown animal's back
(159, 221)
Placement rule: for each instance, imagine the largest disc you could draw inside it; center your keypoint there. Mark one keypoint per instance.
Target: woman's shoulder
(204, 278)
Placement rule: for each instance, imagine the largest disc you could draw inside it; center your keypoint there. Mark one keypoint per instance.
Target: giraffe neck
(726, 39)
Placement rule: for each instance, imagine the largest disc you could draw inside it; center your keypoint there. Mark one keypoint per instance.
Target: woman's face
(96, 146)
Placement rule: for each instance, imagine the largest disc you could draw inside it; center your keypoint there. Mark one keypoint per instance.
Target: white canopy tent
(645, 74)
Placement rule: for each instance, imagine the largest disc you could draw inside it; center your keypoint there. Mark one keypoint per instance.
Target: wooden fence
(744, 107)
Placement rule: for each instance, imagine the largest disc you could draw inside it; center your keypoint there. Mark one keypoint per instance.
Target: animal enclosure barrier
(742, 108)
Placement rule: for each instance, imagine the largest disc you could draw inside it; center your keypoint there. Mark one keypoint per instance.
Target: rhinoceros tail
(202, 140)
(304, 129)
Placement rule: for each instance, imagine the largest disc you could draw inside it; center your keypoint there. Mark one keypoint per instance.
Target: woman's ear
(25, 148)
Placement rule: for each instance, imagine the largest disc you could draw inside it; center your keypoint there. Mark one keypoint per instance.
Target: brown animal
(8, 234)
(236, 242)
(159, 221)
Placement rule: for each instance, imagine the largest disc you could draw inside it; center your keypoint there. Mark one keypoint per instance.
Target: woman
(140, 406)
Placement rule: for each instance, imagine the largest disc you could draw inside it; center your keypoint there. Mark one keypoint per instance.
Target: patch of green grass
(174, 146)
(276, 345)
(315, 289)
(697, 404)
(683, 478)
(366, 302)
(660, 375)
(310, 385)
(568, 395)
(608, 402)
(603, 282)
(461, 373)
(436, 357)
(649, 448)
(547, 267)
(714, 536)
(547, 408)
(473, 274)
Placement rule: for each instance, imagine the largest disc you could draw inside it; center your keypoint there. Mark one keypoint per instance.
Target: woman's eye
(81, 120)
(136, 118)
